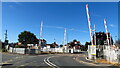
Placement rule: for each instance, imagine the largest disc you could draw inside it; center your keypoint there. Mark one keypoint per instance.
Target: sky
(20, 16)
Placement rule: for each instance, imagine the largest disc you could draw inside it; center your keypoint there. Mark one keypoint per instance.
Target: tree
(54, 45)
(74, 43)
(27, 37)
(86, 45)
(61, 45)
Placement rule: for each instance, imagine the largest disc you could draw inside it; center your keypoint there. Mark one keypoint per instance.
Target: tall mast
(41, 29)
(40, 40)
(64, 36)
(89, 24)
(106, 31)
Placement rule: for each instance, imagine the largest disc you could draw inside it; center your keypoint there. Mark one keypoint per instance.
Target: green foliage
(54, 45)
(20, 46)
(4, 50)
(72, 44)
(85, 47)
(88, 43)
(61, 45)
(27, 37)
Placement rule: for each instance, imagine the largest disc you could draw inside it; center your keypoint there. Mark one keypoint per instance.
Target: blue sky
(20, 16)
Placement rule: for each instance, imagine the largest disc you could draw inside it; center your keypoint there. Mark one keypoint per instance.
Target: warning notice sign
(93, 49)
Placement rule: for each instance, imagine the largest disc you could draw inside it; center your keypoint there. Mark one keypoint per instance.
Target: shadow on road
(6, 64)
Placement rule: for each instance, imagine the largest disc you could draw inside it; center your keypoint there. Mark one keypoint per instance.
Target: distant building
(48, 45)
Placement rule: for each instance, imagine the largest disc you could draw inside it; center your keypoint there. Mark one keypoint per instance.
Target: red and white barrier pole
(90, 27)
(106, 31)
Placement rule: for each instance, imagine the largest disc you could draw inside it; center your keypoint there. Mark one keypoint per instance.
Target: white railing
(38, 51)
(109, 53)
(17, 50)
(112, 55)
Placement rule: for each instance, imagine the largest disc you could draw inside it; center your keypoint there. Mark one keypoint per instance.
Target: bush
(4, 50)
(20, 46)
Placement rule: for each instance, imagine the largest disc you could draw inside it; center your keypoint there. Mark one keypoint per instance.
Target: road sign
(93, 49)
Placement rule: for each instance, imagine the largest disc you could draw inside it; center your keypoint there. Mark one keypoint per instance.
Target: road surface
(45, 60)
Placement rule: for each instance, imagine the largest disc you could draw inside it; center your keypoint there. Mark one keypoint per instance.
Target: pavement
(93, 64)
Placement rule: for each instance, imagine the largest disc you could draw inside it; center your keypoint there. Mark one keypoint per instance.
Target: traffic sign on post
(93, 49)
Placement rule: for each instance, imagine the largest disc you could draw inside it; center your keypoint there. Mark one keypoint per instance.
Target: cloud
(85, 31)
(16, 2)
(72, 29)
(97, 15)
(11, 6)
(59, 27)
(78, 30)
(111, 25)
(54, 27)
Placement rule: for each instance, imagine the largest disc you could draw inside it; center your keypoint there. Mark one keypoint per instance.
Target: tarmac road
(46, 60)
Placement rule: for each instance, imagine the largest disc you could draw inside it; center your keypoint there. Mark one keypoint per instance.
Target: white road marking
(22, 65)
(46, 60)
(50, 62)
